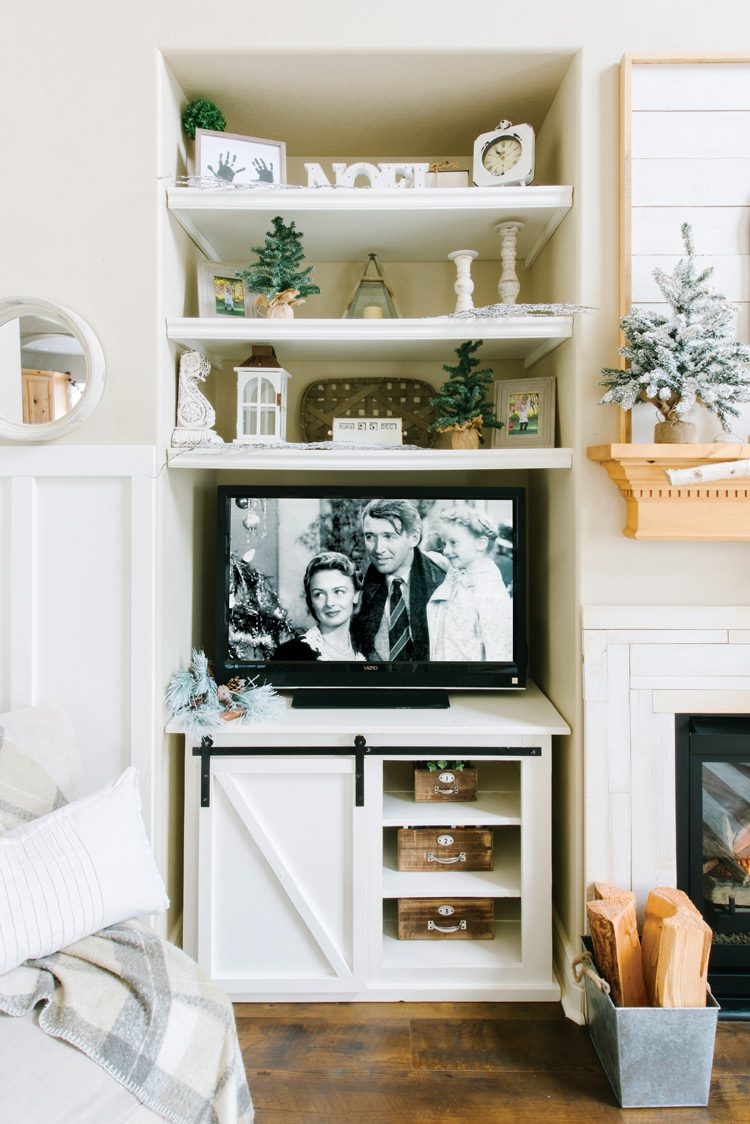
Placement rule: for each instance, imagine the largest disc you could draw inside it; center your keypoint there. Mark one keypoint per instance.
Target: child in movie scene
(470, 615)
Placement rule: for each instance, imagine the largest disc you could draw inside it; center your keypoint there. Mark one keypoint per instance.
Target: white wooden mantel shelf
(346, 224)
(368, 460)
(528, 338)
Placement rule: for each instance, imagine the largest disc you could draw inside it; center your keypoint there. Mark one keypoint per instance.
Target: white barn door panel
(281, 860)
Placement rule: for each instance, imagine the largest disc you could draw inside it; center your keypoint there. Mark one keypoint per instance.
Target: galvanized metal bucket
(654, 1057)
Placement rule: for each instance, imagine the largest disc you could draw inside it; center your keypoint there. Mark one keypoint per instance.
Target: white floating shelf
(345, 224)
(368, 460)
(511, 337)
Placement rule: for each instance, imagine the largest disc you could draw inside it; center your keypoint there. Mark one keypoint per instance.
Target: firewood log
(676, 947)
(617, 949)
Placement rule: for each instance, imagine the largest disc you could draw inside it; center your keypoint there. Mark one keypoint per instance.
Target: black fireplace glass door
(713, 842)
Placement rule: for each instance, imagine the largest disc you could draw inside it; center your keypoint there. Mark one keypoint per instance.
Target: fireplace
(712, 783)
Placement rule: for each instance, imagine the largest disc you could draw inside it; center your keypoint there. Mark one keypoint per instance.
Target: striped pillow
(81, 868)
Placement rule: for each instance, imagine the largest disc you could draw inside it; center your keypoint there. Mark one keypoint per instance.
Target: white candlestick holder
(464, 286)
(508, 286)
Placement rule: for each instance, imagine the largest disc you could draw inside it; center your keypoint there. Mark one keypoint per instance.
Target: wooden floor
(410, 1063)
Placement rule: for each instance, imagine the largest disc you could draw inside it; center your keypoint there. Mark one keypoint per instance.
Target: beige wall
(84, 224)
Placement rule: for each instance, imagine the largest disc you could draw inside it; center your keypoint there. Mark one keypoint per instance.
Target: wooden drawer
(445, 784)
(445, 919)
(440, 848)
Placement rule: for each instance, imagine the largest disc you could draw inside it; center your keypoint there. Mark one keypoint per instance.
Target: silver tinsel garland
(499, 311)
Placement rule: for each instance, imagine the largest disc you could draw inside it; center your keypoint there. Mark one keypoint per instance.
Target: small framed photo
(526, 407)
(232, 160)
(221, 292)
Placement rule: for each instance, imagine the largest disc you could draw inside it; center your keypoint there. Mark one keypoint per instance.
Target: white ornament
(195, 414)
(464, 286)
(508, 286)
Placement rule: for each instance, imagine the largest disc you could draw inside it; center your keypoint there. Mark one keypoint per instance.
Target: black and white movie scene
(376, 580)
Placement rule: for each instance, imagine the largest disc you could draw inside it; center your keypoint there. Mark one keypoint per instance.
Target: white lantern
(261, 404)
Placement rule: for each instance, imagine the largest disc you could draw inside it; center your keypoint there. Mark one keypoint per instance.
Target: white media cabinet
(290, 872)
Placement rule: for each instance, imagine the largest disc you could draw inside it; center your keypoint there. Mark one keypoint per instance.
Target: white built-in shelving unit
(342, 224)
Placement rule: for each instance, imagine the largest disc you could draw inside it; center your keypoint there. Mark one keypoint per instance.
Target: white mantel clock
(504, 156)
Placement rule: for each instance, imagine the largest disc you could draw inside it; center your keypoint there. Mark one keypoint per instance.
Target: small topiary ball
(202, 114)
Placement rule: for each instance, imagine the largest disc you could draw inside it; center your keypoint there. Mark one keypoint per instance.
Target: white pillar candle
(373, 312)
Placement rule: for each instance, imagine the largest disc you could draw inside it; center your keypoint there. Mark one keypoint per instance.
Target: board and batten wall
(78, 547)
(686, 158)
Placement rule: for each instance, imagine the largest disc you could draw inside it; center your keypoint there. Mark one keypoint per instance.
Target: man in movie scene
(398, 583)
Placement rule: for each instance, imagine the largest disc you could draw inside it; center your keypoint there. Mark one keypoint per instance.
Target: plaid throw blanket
(135, 1004)
(144, 1011)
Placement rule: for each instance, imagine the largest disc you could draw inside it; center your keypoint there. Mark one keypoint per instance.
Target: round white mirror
(51, 369)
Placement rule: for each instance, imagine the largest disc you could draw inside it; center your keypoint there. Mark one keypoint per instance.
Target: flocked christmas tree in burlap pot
(462, 407)
(684, 358)
(275, 277)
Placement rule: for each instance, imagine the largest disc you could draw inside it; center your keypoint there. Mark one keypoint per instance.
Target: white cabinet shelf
(346, 224)
(400, 810)
(527, 338)
(368, 460)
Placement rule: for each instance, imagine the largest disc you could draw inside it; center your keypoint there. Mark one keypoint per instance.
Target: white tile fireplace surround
(643, 665)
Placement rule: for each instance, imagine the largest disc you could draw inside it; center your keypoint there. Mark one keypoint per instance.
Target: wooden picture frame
(233, 160)
(527, 409)
(222, 293)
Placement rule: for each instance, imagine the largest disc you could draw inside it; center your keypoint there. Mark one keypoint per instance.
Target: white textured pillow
(75, 871)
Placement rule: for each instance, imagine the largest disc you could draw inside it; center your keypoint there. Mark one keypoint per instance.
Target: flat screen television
(371, 595)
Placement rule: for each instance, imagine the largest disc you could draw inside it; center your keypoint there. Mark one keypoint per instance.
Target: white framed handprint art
(231, 160)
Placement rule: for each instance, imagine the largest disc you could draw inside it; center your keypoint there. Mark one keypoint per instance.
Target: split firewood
(676, 947)
(617, 949)
(606, 893)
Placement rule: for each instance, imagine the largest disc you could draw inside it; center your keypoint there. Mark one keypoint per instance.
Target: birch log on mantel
(701, 473)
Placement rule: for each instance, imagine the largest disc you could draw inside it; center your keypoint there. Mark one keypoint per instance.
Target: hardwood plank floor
(414, 1063)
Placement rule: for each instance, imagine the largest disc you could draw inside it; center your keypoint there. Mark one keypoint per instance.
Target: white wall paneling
(77, 596)
(643, 665)
(686, 158)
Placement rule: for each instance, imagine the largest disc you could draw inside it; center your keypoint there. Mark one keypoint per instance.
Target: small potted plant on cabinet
(444, 780)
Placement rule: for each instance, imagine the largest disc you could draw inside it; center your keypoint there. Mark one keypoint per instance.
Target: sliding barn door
(282, 877)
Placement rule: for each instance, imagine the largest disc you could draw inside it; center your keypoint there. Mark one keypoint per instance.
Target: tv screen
(372, 587)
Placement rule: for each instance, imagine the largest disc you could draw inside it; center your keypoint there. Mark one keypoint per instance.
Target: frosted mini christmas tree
(686, 357)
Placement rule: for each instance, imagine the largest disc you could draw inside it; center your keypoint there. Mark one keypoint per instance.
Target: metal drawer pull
(452, 791)
(446, 928)
(433, 858)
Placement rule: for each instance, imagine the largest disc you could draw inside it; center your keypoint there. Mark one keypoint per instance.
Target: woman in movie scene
(470, 615)
(333, 588)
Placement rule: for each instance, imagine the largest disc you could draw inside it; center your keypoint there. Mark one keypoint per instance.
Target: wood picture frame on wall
(526, 407)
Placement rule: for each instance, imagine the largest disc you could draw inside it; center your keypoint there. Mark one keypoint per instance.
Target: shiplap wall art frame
(684, 157)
